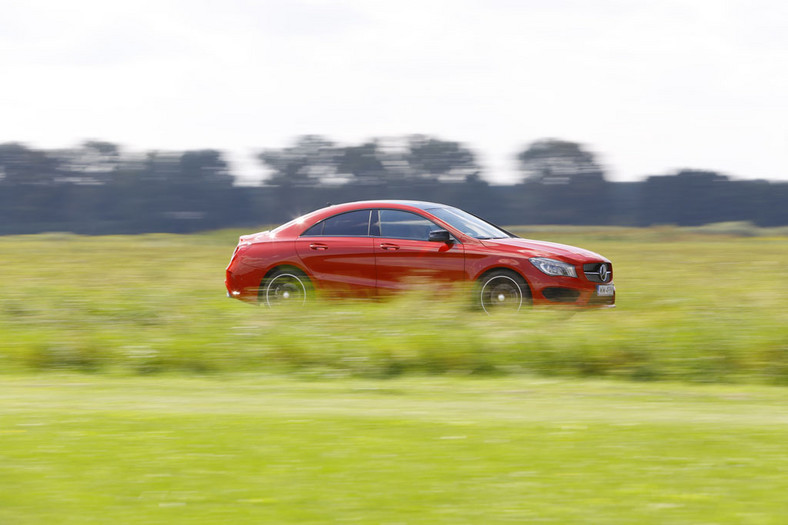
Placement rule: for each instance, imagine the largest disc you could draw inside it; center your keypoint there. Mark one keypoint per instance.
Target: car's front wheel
(502, 290)
(285, 286)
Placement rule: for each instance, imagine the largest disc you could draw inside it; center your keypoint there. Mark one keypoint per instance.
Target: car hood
(532, 248)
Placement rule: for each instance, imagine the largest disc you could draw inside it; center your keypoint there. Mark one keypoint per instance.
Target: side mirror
(440, 236)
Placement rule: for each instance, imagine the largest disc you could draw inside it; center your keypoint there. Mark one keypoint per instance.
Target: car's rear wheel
(285, 286)
(502, 290)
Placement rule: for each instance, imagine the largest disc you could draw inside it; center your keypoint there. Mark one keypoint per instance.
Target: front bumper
(583, 296)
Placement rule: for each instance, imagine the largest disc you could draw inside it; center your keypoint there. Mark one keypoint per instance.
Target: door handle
(318, 246)
(389, 246)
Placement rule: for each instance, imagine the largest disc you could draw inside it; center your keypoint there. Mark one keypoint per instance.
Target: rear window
(350, 224)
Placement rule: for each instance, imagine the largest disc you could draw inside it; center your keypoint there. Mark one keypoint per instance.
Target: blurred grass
(705, 304)
(78, 449)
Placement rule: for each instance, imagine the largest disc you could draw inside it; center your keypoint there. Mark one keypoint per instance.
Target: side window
(350, 224)
(317, 229)
(405, 225)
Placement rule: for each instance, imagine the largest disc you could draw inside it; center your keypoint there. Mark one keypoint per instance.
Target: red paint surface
(373, 265)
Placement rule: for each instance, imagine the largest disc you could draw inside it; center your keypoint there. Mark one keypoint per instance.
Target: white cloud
(651, 85)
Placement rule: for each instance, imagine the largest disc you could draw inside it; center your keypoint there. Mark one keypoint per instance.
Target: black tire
(285, 286)
(502, 290)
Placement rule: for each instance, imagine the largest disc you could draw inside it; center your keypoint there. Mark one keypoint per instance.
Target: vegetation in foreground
(693, 305)
(78, 449)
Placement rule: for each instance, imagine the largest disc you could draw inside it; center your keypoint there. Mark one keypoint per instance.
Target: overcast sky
(651, 86)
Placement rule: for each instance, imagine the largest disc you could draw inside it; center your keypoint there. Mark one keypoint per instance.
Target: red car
(370, 248)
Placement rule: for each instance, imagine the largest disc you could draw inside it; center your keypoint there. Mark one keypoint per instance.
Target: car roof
(422, 205)
(299, 224)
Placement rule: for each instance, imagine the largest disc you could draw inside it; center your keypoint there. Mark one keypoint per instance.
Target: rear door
(404, 256)
(338, 253)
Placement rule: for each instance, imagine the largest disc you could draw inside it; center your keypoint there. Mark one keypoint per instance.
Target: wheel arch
(279, 267)
(284, 266)
(508, 269)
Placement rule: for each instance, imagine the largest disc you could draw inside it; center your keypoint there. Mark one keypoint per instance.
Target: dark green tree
(21, 165)
(689, 198)
(563, 184)
(553, 161)
(205, 167)
(363, 164)
(443, 160)
(304, 164)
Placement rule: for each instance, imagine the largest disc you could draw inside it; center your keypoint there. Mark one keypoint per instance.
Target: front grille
(593, 274)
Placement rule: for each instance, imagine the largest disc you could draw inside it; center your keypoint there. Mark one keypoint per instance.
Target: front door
(404, 256)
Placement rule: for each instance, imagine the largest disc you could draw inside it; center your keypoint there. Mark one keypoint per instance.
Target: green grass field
(133, 391)
(78, 449)
(692, 306)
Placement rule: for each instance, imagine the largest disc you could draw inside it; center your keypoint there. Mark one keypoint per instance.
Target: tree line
(97, 188)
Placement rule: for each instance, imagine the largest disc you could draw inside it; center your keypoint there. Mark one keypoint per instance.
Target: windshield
(468, 224)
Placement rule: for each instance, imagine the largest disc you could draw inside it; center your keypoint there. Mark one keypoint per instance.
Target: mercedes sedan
(373, 248)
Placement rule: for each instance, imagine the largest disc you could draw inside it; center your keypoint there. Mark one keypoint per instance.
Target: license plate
(604, 290)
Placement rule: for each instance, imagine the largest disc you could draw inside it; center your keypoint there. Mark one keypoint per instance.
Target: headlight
(553, 267)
